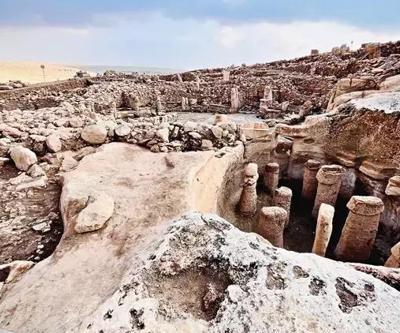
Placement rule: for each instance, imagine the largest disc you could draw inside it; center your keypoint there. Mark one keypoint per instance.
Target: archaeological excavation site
(262, 198)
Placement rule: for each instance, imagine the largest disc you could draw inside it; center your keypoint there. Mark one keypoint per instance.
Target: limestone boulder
(53, 143)
(23, 157)
(94, 134)
(94, 216)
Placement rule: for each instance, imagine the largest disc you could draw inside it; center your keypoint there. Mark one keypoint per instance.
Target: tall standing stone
(329, 181)
(310, 182)
(324, 229)
(185, 104)
(159, 106)
(271, 177)
(248, 198)
(235, 100)
(225, 75)
(283, 199)
(271, 224)
(359, 232)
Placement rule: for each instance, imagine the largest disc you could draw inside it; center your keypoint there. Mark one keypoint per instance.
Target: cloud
(73, 13)
(155, 39)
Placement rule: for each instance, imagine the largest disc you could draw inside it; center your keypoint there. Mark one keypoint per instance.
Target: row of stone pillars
(321, 184)
(272, 220)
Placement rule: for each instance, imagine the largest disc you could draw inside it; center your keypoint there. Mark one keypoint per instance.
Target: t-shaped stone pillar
(359, 232)
(271, 224)
(310, 182)
(248, 198)
(324, 229)
(271, 177)
(394, 259)
(283, 199)
(329, 180)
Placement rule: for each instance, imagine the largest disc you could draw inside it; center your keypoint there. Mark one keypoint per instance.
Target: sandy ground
(31, 72)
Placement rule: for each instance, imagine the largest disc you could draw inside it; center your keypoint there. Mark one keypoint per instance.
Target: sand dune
(31, 72)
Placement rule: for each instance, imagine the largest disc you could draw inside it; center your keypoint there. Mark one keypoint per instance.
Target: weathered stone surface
(22, 157)
(283, 292)
(94, 134)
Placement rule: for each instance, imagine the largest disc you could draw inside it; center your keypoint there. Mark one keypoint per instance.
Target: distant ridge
(100, 69)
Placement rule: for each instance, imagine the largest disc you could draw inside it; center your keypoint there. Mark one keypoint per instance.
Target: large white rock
(94, 216)
(94, 134)
(22, 157)
(53, 143)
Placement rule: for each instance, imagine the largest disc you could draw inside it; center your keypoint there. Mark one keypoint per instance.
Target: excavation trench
(30, 222)
(299, 235)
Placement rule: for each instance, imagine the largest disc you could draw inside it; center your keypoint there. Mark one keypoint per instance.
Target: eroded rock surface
(258, 288)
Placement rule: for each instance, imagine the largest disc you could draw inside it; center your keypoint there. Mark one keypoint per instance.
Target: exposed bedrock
(207, 276)
(86, 268)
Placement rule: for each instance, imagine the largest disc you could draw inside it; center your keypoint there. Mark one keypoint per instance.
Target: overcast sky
(187, 33)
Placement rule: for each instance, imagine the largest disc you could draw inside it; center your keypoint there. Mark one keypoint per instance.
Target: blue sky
(187, 33)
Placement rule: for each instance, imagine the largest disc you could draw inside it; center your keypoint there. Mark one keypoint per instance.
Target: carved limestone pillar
(271, 224)
(324, 229)
(248, 198)
(225, 75)
(271, 177)
(329, 180)
(235, 101)
(394, 259)
(185, 104)
(283, 199)
(310, 182)
(359, 232)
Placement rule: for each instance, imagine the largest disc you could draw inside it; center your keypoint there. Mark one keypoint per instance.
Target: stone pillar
(271, 224)
(393, 187)
(159, 107)
(185, 104)
(394, 259)
(329, 180)
(197, 83)
(248, 198)
(235, 101)
(271, 177)
(226, 75)
(359, 232)
(283, 199)
(310, 182)
(324, 229)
